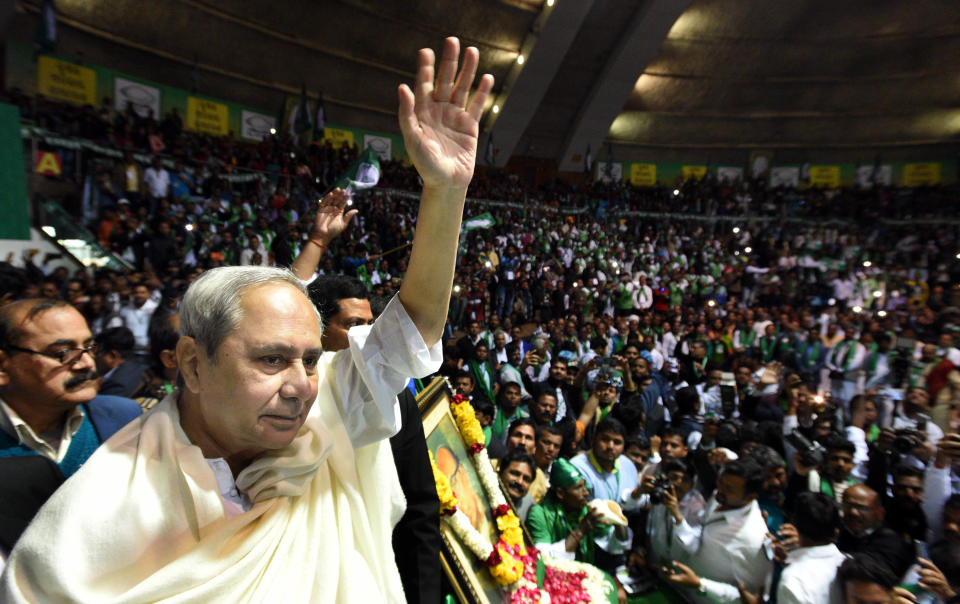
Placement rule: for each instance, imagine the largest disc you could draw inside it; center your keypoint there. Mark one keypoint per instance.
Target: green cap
(564, 474)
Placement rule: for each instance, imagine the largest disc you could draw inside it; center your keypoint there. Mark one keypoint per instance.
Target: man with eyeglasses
(51, 418)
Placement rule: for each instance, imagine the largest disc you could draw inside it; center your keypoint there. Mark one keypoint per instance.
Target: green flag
(362, 174)
(483, 221)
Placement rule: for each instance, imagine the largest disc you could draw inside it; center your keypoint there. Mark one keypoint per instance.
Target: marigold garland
(509, 562)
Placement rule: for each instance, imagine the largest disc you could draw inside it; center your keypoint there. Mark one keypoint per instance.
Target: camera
(811, 453)
(906, 440)
(661, 485)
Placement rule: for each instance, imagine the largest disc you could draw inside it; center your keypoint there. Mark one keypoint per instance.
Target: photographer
(831, 476)
(674, 500)
(915, 415)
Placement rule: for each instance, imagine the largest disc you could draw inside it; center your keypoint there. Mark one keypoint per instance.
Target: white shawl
(143, 521)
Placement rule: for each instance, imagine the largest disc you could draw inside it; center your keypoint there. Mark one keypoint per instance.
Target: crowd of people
(773, 403)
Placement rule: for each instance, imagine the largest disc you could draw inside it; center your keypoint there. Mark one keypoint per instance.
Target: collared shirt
(728, 549)
(603, 484)
(53, 448)
(138, 320)
(661, 526)
(809, 576)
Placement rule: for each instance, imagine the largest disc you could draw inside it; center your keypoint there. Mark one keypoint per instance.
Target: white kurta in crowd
(146, 520)
(809, 576)
(728, 548)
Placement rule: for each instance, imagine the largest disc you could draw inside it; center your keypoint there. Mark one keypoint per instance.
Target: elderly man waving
(258, 481)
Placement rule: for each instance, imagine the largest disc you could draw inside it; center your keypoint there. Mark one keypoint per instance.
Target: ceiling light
(273, 130)
(520, 59)
(549, 2)
(496, 108)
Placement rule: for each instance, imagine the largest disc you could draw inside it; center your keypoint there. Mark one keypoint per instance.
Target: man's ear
(188, 359)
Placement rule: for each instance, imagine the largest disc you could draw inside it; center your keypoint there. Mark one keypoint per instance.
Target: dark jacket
(416, 538)
(125, 379)
(27, 480)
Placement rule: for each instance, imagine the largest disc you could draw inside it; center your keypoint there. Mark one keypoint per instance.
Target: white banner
(729, 174)
(616, 172)
(784, 177)
(255, 126)
(866, 177)
(144, 98)
(381, 145)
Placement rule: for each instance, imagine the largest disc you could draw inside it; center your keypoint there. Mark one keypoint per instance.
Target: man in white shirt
(668, 341)
(157, 180)
(812, 567)
(642, 295)
(845, 363)
(727, 552)
(255, 482)
(136, 316)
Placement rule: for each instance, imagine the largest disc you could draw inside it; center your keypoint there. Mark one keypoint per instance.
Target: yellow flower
(470, 428)
(508, 521)
(508, 571)
(472, 434)
(448, 500)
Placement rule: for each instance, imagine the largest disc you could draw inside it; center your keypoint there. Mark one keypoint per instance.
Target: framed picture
(470, 580)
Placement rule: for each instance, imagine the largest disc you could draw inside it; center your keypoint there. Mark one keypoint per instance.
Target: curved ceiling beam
(525, 86)
(639, 45)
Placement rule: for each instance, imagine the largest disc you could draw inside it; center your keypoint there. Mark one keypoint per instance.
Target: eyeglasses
(67, 356)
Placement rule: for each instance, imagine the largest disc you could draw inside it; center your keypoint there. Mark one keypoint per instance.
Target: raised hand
(332, 216)
(440, 128)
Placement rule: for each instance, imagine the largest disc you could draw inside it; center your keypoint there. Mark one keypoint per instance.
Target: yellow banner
(66, 82)
(643, 175)
(697, 172)
(338, 137)
(207, 116)
(917, 175)
(825, 176)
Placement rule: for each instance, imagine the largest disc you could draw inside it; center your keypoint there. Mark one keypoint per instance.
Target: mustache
(80, 378)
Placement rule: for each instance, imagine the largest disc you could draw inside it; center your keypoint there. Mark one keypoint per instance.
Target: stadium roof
(656, 78)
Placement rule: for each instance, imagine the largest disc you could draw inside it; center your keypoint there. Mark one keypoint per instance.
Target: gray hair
(211, 309)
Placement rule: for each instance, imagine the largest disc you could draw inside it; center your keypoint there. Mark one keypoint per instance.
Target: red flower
(476, 448)
(457, 399)
(501, 510)
(493, 559)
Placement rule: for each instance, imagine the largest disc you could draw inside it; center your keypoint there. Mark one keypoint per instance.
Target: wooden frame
(470, 580)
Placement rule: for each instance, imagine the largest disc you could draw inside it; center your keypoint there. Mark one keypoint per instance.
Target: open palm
(440, 129)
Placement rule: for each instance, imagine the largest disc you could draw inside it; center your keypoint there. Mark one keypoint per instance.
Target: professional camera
(906, 440)
(661, 485)
(811, 453)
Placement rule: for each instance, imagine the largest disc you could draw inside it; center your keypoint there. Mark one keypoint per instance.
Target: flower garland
(501, 559)
(510, 562)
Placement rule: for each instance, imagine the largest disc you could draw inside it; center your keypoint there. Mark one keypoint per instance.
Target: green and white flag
(483, 221)
(362, 174)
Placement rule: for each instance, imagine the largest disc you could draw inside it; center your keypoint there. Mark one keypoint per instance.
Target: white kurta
(729, 550)
(144, 521)
(809, 576)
